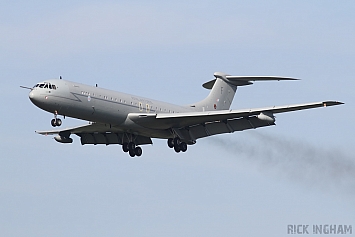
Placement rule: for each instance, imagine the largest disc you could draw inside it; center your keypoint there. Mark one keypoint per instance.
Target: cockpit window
(46, 85)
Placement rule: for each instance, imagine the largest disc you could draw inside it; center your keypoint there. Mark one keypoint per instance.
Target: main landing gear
(132, 149)
(177, 144)
(56, 121)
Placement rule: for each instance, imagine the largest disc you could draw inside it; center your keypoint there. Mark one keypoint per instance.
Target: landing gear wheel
(177, 141)
(125, 147)
(132, 153)
(183, 146)
(138, 151)
(171, 142)
(58, 122)
(131, 146)
(177, 148)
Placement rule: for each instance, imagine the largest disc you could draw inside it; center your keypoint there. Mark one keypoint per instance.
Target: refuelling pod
(63, 139)
(268, 117)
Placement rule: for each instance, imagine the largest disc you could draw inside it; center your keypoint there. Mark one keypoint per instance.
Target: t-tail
(224, 87)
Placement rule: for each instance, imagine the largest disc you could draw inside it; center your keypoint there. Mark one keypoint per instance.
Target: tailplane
(224, 87)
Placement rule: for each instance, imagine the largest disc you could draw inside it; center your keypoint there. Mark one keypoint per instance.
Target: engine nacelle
(63, 139)
(268, 117)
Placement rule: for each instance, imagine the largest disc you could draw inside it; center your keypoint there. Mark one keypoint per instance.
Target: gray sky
(252, 183)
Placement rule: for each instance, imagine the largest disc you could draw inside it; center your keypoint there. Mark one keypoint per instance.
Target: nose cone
(31, 95)
(34, 97)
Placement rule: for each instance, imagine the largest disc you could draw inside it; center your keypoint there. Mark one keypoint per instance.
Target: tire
(138, 151)
(125, 147)
(58, 122)
(131, 146)
(177, 148)
(132, 153)
(183, 146)
(53, 123)
(177, 141)
(171, 142)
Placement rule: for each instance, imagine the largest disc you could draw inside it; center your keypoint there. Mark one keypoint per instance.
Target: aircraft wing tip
(331, 103)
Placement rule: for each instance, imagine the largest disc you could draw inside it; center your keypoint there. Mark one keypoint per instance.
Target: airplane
(132, 121)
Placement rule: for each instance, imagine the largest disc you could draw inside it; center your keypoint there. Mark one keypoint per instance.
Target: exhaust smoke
(317, 166)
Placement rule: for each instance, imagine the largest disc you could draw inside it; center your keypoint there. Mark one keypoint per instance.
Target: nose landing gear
(56, 121)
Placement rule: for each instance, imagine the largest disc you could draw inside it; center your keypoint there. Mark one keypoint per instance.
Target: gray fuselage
(97, 104)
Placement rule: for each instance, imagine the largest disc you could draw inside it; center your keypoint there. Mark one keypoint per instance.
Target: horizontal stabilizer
(243, 80)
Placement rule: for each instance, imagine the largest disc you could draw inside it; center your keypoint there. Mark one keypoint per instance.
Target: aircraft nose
(33, 97)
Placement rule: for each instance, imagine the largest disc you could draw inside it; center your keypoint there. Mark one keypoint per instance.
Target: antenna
(25, 87)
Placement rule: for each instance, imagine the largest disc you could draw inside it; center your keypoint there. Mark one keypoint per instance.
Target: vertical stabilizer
(223, 89)
(221, 95)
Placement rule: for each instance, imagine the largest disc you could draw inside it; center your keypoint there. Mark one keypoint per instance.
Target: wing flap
(228, 126)
(111, 138)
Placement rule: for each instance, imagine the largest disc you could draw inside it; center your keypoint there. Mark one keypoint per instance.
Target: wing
(97, 133)
(194, 125)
